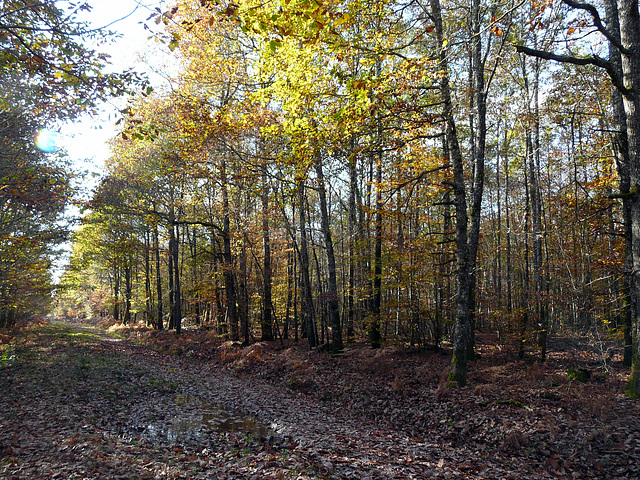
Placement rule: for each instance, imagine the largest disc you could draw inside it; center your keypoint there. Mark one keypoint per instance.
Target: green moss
(632, 389)
(581, 375)
(458, 373)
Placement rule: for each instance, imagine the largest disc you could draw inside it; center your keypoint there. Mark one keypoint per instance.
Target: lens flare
(46, 140)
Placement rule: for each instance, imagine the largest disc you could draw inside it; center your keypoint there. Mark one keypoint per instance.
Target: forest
(396, 173)
(391, 239)
(391, 172)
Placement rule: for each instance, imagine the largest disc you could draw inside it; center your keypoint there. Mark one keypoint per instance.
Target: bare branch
(597, 22)
(591, 60)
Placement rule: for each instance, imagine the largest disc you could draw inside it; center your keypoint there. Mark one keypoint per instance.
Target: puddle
(189, 420)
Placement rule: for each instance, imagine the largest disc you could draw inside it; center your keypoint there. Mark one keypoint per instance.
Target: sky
(86, 140)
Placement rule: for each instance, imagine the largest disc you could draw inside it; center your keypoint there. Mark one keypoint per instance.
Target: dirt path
(80, 404)
(77, 403)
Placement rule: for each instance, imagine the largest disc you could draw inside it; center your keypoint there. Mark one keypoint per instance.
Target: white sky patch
(86, 140)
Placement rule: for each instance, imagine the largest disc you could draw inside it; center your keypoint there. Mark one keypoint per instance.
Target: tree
(47, 75)
(34, 192)
(627, 43)
(44, 59)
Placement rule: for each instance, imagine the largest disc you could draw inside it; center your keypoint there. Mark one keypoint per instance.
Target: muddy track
(79, 404)
(333, 444)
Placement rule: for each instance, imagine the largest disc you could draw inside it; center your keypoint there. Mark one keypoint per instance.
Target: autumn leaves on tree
(47, 75)
(381, 170)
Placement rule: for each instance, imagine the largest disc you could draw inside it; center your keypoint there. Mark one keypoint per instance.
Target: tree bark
(229, 280)
(147, 277)
(305, 278)
(334, 308)
(630, 38)
(156, 242)
(174, 251)
(621, 151)
(267, 305)
(463, 334)
(352, 229)
(127, 290)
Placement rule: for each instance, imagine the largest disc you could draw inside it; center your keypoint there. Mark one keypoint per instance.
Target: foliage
(45, 63)
(48, 74)
(268, 92)
(33, 196)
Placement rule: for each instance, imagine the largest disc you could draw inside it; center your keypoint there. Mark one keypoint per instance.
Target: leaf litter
(81, 404)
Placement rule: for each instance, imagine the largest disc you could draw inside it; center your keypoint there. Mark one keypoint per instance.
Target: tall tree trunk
(621, 151)
(172, 290)
(630, 36)
(127, 290)
(147, 277)
(375, 338)
(116, 292)
(463, 332)
(290, 299)
(305, 278)
(267, 305)
(539, 281)
(351, 231)
(477, 186)
(507, 214)
(243, 295)
(156, 243)
(229, 280)
(174, 252)
(334, 309)
(526, 274)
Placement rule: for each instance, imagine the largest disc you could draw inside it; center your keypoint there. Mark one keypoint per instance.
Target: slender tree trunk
(621, 151)
(375, 338)
(463, 333)
(229, 280)
(539, 280)
(507, 214)
(290, 300)
(127, 290)
(147, 277)
(352, 228)
(478, 167)
(334, 308)
(116, 292)
(156, 242)
(526, 274)
(243, 295)
(295, 299)
(174, 252)
(172, 291)
(267, 305)
(305, 278)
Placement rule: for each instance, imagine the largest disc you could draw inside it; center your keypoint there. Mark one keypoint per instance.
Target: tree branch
(592, 60)
(597, 22)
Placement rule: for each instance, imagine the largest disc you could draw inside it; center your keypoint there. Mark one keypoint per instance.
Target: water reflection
(194, 421)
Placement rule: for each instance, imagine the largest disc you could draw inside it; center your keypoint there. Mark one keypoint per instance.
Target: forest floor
(79, 403)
